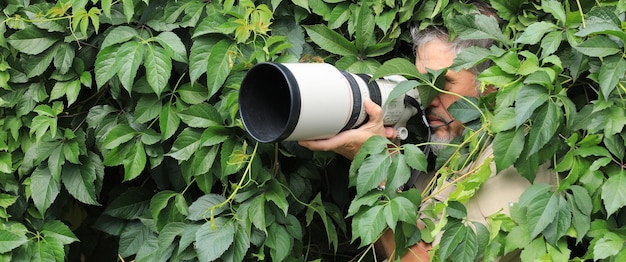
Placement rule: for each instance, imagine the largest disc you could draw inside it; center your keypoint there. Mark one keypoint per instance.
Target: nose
(436, 102)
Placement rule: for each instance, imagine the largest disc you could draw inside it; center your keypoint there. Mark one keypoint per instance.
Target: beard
(440, 139)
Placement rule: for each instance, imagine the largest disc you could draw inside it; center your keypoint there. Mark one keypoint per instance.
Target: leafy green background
(121, 138)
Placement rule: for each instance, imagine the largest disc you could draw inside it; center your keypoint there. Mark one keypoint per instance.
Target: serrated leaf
(507, 147)
(199, 56)
(330, 40)
(611, 72)
(528, 99)
(106, 66)
(598, 46)
(118, 135)
(452, 237)
(206, 206)
(608, 245)
(185, 145)
(64, 57)
(173, 45)
(31, 40)
(535, 32)
(368, 225)
(541, 212)
(477, 27)
(279, 241)
(148, 107)
(158, 68)
(218, 66)
(275, 193)
(132, 238)
(79, 182)
(213, 238)
(70, 89)
(135, 161)
(168, 121)
(544, 128)
(201, 116)
(465, 111)
(372, 173)
(130, 204)
(118, 34)
(614, 192)
(10, 240)
(60, 231)
(129, 57)
(415, 157)
(47, 189)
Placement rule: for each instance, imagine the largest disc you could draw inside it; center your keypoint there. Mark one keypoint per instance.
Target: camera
(303, 101)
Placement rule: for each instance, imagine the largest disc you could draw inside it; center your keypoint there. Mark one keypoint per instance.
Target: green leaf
(46, 187)
(541, 212)
(545, 126)
(135, 161)
(31, 40)
(535, 32)
(64, 57)
(214, 238)
(206, 207)
(130, 204)
(129, 57)
(398, 66)
(555, 8)
(79, 182)
(147, 108)
(118, 135)
(60, 231)
(133, 238)
(279, 241)
(199, 56)
(339, 15)
(364, 24)
(168, 121)
(10, 240)
(598, 46)
(372, 173)
(465, 111)
(129, 9)
(240, 246)
(106, 65)
(503, 120)
(276, 194)
(368, 225)
(330, 40)
(614, 192)
(185, 145)
(218, 66)
(477, 27)
(119, 34)
(528, 99)
(158, 68)
(71, 89)
(609, 245)
(507, 147)
(173, 45)
(415, 157)
(611, 72)
(452, 237)
(201, 116)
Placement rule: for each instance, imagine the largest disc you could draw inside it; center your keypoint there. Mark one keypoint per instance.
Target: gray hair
(423, 36)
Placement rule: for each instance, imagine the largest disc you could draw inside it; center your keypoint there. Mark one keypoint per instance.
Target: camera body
(303, 101)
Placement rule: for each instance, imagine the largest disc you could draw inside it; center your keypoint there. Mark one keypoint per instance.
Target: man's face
(437, 54)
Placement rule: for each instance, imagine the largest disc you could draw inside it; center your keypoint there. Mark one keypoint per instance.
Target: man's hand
(348, 143)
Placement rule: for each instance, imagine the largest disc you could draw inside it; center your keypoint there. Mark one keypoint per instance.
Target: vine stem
(239, 186)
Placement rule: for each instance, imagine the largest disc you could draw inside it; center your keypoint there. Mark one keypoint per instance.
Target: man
(435, 51)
